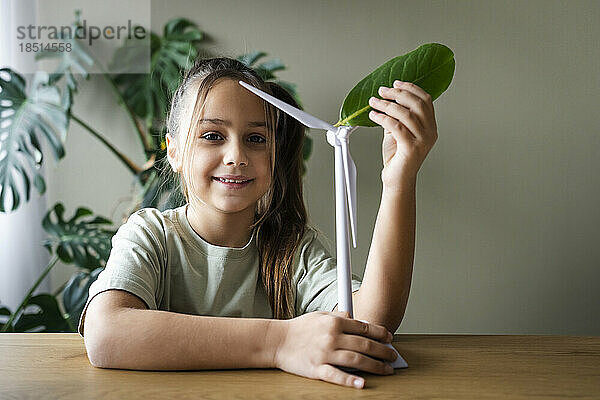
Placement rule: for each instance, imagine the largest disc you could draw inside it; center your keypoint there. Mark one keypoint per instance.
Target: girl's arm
(121, 333)
(410, 131)
(383, 295)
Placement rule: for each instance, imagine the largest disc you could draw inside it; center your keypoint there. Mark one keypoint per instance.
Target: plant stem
(57, 292)
(28, 296)
(137, 125)
(67, 318)
(128, 163)
(134, 121)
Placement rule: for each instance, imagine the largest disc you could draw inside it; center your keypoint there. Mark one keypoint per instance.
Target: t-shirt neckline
(206, 247)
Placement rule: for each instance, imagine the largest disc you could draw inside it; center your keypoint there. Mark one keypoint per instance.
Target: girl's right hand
(311, 344)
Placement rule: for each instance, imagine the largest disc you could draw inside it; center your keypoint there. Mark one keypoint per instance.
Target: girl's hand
(410, 131)
(313, 343)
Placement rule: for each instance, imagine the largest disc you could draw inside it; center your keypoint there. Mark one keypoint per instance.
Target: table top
(55, 365)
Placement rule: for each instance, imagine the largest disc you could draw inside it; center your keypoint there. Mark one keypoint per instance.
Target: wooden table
(55, 366)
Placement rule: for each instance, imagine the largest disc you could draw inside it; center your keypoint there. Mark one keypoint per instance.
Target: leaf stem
(137, 125)
(124, 159)
(353, 115)
(57, 291)
(67, 318)
(28, 296)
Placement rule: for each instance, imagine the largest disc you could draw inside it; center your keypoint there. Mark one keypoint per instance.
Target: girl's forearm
(383, 294)
(161, 340)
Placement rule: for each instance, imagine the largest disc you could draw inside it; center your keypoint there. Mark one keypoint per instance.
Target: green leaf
(306, 147)
(23, 117)
(431, 67)
(49, 318)
(160, 190)
(291, 88)
(85, 242)
(133, 52)
(178, 26)
(6, 312)
(252, 57)
(266, 70)
(272, 65)
(76, 60)
(75, 293)
(147, 94)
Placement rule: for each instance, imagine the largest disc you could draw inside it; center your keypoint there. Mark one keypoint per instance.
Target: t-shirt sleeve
(316, 276)
(134, 264)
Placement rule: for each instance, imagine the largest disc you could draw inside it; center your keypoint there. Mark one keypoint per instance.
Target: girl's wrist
(275, 337)
(406, 183)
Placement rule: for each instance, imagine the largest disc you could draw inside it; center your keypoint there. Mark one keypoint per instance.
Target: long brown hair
(280, 215)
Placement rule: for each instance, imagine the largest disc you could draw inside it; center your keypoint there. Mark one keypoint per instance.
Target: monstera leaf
(266, 70)
(48, 318)
(161, 191)
(75, 293)
(85, 242)
(75, 60)
(23, 118)
(431, 67)
(147, 94)
(6, 312)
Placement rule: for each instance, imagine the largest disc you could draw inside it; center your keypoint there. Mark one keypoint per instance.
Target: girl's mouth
(233, 183)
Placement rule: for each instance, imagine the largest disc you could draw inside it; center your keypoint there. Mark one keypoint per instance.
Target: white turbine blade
(350, 177)
(304, 117)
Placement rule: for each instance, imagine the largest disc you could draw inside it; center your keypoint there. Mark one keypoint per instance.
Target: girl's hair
(280, 215)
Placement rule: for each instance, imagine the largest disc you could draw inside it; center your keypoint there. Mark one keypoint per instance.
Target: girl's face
(230, 142)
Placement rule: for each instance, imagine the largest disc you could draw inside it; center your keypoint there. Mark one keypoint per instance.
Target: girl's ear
(172, 154)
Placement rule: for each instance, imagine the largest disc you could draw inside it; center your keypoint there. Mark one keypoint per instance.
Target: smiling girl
(236, 278)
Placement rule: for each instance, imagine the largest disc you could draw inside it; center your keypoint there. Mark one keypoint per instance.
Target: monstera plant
(41, 111)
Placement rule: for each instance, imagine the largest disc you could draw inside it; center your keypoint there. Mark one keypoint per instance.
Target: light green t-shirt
(158, 257)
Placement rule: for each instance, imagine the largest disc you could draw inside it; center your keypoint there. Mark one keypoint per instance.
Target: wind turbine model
(345, 198)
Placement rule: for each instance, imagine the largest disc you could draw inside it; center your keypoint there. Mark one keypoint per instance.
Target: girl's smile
(233, 182)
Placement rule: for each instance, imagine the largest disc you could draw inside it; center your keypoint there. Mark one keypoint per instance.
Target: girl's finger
(329, 373)
(408, 99)
(400, 112)
(344, 314)
(355, 327)
(366, 346)
(352, 359)
(401, 133)
(416, 90)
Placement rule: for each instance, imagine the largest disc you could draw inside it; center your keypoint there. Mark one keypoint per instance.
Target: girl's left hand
(410, 131)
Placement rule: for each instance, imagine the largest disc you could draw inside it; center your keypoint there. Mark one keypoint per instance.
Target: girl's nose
(235, 155)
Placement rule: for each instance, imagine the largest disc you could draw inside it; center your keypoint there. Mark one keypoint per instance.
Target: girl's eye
(210, 136)
(257, 139)
(213, 136)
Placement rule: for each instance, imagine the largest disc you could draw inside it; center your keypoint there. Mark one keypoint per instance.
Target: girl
(236, 278)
